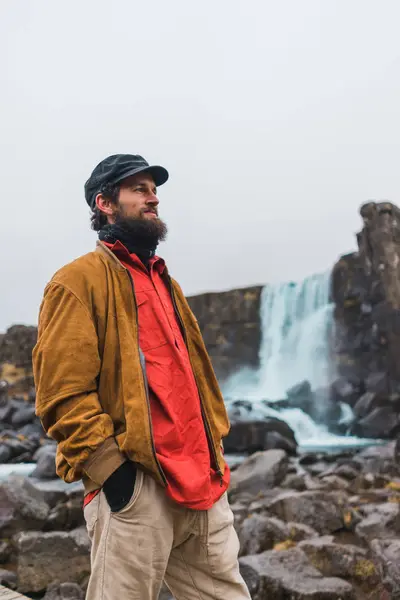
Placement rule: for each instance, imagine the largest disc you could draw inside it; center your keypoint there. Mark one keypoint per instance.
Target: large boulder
(261, 471)
(52, 557)
(259, 533)
(341, 560)
(319, 510)
(252, 436)
(22, 506)
(288, 575)
(387, 553)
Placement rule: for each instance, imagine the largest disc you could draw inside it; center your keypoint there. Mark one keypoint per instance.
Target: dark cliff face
(366, 292)
(230, 323)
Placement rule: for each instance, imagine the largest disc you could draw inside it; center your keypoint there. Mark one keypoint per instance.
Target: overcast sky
(276, 120)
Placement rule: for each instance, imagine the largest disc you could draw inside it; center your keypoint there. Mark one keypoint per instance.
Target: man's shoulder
(80, 271)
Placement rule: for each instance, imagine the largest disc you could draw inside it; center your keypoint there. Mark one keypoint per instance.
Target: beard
(140, 231)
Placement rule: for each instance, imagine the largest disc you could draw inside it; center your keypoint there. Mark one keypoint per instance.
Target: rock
(8, 578)
(46, 463)
(42, 558)
(5, 453)
(382, 522)
(365, 404)
(344, 390)
(387, 553)
(294, 482)
(64, 591)
(22, 506)
(341, 560)
(56, 491)
(299, 532)
(253, 436)
(318, 510)
(288, 575)
(380, 423)
(301, 396)
(260, 471)
(5, 551)
(259, 533)
(66, 515)
(23, 415)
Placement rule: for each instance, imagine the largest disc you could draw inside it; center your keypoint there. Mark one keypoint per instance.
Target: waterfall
(295, 321)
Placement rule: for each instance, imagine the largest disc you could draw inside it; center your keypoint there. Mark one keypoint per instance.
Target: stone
(8, 578)
(260, 471)
(46, 464)
(379, 423)
(341, 560)
(23, 415)
(299, 532)
(259, 533)
(66, 515)
(387, 553)
(252, 436)
(64, 591)
(319, 510)
(383, 521)
(57, 491)
(22, 506)
(288, 575)
(43, 556)
(5, 551)
(365, 404)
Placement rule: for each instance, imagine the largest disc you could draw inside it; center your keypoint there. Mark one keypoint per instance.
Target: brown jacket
(91, 388)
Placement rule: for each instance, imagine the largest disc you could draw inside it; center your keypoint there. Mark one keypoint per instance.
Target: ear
(104, 204)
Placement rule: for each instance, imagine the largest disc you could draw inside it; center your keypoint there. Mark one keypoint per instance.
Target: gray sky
(276, 120)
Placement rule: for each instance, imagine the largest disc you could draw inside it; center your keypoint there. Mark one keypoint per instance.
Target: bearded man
(126, 388)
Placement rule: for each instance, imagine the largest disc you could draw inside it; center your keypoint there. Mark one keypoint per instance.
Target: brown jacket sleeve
(66, 365)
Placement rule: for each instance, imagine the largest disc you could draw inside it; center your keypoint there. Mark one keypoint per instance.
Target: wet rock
(365, 404)
(318, 510)
(387, 553)
(64, 591)
(259, 533)
(289, 575)
(341, 560)
(42, 558)
(253, 436)
(8, 578)
(260, 471)
(22, 507)
(381, 422)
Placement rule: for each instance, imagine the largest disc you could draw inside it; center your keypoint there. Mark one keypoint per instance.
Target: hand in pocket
(119, 487)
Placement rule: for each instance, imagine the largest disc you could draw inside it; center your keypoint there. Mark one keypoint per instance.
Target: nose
(152, 199)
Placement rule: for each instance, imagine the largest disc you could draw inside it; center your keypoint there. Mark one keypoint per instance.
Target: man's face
(137, 198)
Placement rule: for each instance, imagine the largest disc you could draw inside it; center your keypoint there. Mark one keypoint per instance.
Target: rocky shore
(311, 527)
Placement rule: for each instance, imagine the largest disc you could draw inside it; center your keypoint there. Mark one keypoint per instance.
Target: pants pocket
(135, 495)
(91, 514)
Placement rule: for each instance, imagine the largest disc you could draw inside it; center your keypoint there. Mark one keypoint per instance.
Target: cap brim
(159, 174)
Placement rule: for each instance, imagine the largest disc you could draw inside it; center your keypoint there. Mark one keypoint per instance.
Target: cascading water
(296, 320)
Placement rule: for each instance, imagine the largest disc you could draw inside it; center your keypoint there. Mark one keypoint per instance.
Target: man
(126, 388)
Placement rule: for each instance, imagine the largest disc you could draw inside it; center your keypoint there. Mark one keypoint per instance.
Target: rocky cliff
(366, 349)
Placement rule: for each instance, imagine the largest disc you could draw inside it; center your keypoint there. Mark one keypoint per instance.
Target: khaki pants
(153, 539)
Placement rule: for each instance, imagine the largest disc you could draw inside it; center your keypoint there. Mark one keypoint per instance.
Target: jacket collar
(109, 256)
